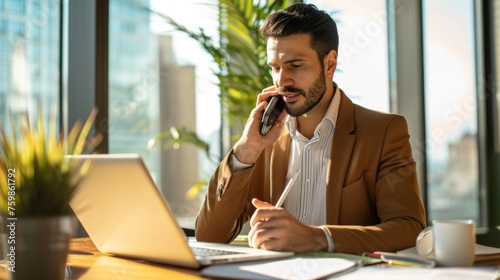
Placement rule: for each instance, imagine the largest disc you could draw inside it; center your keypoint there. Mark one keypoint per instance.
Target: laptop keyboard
(206, 252)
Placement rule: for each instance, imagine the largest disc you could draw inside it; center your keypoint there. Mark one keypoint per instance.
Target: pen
(403, 260)
(287, 189)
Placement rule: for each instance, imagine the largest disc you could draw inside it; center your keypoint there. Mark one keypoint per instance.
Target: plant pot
(37, 247)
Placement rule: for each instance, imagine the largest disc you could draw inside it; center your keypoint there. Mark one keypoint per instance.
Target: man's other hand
(276, 229)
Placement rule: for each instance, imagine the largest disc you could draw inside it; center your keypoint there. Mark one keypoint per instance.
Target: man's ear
(330, 63)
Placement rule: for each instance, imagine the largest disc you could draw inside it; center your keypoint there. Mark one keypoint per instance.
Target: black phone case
(273, 110)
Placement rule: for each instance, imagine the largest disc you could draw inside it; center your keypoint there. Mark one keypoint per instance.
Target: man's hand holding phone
(252, 142)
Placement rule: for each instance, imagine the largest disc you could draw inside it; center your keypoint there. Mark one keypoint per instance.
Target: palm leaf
(176, 137)
(194, 190)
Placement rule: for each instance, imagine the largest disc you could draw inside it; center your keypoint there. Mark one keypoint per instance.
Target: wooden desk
(86, 262)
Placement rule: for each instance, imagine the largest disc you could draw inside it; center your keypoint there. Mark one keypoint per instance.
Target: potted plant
(36, 184)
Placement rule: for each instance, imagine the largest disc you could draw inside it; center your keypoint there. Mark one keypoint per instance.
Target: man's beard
(313, 96)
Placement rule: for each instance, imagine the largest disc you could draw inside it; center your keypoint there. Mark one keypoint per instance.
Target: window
(451, 110)
(22, 81)
(160, 79)
(362, 70)
(133, 116)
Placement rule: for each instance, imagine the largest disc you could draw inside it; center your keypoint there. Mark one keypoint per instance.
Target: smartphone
(273, 110)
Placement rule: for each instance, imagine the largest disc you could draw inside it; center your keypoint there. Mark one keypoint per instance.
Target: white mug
(450, 242)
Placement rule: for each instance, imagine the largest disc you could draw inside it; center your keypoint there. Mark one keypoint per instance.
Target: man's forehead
(302, 39)
(293, 45)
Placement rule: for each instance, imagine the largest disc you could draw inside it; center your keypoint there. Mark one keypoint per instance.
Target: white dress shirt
(306, 200)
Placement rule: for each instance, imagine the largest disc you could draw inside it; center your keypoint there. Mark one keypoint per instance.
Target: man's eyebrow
(293, 60)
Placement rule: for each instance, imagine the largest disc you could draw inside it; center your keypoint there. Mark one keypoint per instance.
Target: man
(357, 186)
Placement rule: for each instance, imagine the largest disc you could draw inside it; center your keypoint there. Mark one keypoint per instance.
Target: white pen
(402, 259)
(287, 189)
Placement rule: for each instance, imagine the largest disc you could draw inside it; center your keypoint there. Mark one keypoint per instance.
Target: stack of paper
(410, 273)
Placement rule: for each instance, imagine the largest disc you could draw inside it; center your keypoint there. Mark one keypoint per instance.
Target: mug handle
(425, 242)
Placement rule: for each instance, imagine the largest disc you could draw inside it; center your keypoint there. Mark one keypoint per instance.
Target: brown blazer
(373, 197)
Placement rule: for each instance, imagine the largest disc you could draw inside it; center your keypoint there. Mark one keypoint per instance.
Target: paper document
(407, 273)
(291, 268)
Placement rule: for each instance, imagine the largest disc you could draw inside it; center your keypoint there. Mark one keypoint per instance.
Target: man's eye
(295, 65)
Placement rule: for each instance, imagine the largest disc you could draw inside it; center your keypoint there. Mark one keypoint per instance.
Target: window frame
(85, 64)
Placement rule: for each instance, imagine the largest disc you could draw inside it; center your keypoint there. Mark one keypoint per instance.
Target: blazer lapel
(342, 146)
(279, 165)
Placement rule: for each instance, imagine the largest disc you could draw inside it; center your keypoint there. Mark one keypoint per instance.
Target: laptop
(124, 214)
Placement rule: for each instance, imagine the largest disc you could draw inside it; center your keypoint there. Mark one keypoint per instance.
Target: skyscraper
(29, 56)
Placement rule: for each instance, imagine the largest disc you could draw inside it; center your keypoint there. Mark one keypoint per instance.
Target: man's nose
(283, 79)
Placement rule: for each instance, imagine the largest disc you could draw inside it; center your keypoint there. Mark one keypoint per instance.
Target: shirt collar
(331, 114)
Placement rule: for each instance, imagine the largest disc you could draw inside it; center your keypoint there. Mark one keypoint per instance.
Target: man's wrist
(245, 154)
(318, 241)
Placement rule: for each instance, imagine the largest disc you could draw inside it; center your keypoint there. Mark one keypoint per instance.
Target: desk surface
(86, 262)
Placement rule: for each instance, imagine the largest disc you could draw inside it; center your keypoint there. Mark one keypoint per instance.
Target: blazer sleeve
(399, 209)
(224, 210)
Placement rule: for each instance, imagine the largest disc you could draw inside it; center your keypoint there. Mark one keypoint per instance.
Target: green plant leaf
(175, 137)
(42, 180)
(195, 190)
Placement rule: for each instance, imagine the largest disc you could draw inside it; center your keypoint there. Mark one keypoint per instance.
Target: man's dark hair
(304, 19)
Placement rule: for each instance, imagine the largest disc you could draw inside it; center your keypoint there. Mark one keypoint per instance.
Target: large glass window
(159, 79)
(450, 110)
(29, 65)
(362, 70)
